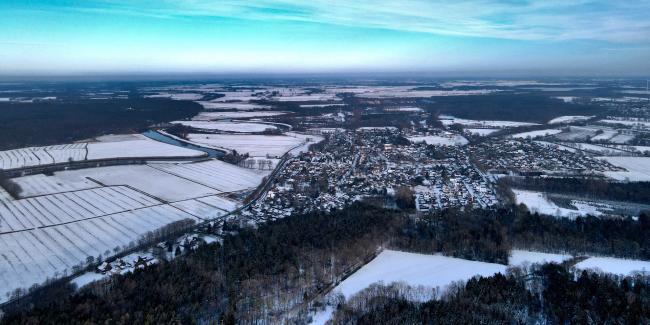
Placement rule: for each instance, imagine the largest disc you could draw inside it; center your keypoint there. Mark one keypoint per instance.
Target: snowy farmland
(435, 271)
(536, 134)
(638, 168)
(209, 116)
(254, 145)
(615, 265)
(66, 220)
(32, 256)
(450, 120)
(481, 132)
(107, 147)
(216, 174)
(440, 140)
(569, 118)
(538, 202)
(235, 127)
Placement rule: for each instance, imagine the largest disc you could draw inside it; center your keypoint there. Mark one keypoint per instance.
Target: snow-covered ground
(536, 134)
(440, 140)
(240, 106)
(567, 99)
(144, 178)
(239, 127)
(569, 119)
(537, 202)
(216, 174)
(36, 156)
(139, 147)
(615, 265)
(33, 255)
(209, 116)
(481, 132)
(521, 257)
(629, 122)
(449, 120)
(254, 145)
(435, 271)
(605, 135)
(404, 109)
(638, 168)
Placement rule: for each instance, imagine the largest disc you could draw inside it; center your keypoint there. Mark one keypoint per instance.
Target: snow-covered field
(521, 257)
(638, 168)
(433, 271)
(209, 116)
(122, 146)
(229, 106)
(449, 120)
(34, 255)
(239, 127)
(569, 118)
(596, 149)
(537, 202)
(35, 156)
(615, 265)
(578, 133)
(254, 145)
(140, 177)
(396, 92)
(629, 122)
(404, 109)
(536, 134)
(215, 174)
(605, 135)
(439, 140)
(481, 132)
(138, 147)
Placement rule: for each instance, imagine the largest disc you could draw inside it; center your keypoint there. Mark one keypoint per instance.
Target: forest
(50, 123)
(638, 192)
(272, 272)
(547, 294)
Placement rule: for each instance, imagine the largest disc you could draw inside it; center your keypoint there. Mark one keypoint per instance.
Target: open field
(236, 127)
(638, 168)
(209, 116)
(438, 140)
(108, 147)
(216, 174)
(32, 256)
(254, 145)
(569, 119)
(434, 271)
(536, 134)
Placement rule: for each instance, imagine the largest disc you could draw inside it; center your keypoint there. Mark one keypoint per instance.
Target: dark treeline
(48, 123)
(546, 294)
(509, 107)
(488, 235)
(638, 192)
(266, 273)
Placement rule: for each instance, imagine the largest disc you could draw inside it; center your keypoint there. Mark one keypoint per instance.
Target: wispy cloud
(604, 20)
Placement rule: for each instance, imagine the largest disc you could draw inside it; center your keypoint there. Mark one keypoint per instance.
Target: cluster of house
(373, 164)
(504, 156)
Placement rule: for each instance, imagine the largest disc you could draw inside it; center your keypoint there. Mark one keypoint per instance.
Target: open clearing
(433, 271)
(536, 134)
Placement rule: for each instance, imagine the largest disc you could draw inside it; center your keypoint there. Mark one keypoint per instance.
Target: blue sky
(265, 36)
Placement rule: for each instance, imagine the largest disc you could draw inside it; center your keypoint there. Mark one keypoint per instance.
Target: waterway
(212, 153)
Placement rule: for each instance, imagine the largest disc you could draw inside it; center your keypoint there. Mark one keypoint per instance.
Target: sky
(545, 37)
